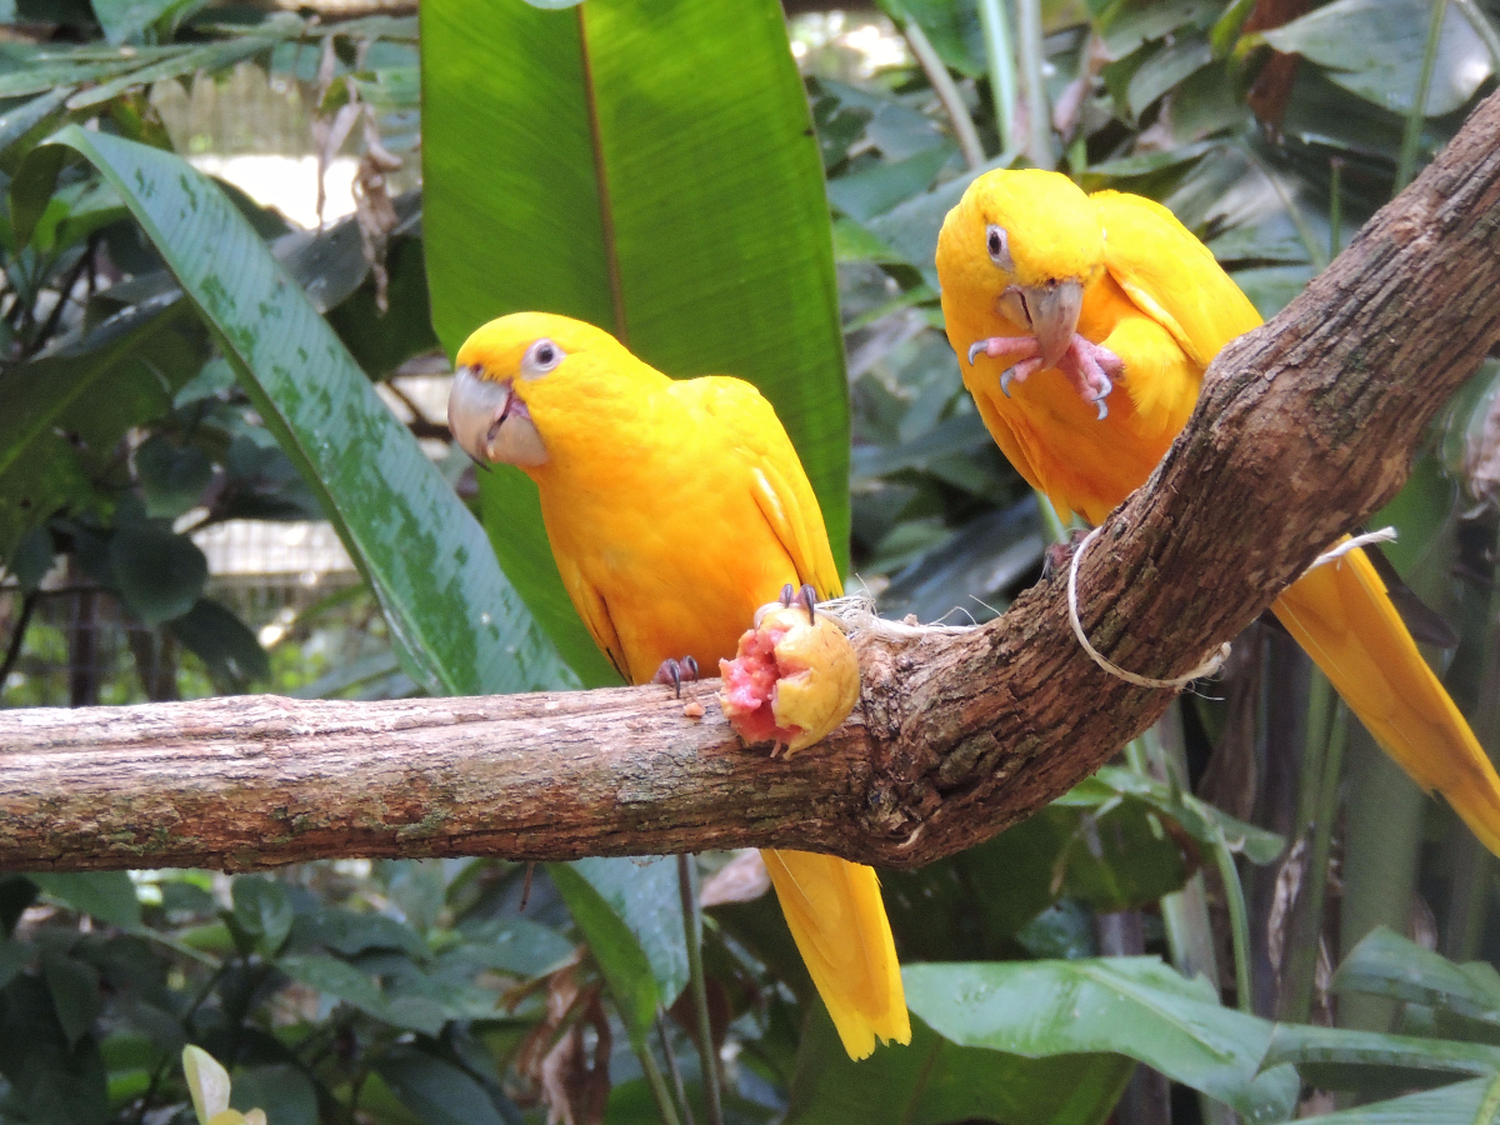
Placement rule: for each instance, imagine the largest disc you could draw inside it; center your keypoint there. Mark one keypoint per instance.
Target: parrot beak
(491, 423)
(1050, 311)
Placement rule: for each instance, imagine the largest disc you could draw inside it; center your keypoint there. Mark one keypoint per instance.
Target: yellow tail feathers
(838, 921)
(1341, 615)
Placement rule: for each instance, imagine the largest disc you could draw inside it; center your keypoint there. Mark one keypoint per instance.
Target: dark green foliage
(197, 374)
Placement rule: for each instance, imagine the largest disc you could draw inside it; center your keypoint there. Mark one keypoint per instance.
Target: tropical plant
(173, 348)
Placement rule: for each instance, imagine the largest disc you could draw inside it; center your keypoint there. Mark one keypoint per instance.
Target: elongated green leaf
(39, 70)
(1374, 48)
(458, 623)
(347, 983)
(1133, 1006)
(645, 893)
(1303, 1045)
(934, 1081)
(1201, 820)
(1463, 1103)
(106, 895)
(1387, 964)
(210, 57)
(598, 903)
(650, 168)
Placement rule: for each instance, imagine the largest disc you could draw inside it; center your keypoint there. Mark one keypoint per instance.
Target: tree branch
(1304, 427)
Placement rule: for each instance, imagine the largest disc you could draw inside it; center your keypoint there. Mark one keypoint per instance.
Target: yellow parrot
(675, 508)
(1052, 296)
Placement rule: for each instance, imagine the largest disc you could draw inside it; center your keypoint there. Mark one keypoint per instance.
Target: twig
(947, 93)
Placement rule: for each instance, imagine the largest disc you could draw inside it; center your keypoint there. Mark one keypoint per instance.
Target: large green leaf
(1387, 964)
(932, 1081)
(1463, 1103)
(651, 168)
(1374, 48)
(1133, 1006)
(618, 954)
(457, 621)
(106, 895)
(631, 915)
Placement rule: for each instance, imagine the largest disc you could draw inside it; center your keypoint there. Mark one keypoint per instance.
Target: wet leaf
(455, 618)
(710, 252)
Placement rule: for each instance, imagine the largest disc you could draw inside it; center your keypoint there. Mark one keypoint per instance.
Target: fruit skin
(792, 681)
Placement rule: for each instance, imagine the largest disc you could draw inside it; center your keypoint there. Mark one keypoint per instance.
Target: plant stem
(1032, 55)
(1239, 923)
(1410, 139)
(947, 93)
(18, 634)
(672, 1068)
(692, 920)
(1335, 206)
(1002, 63)
(1323, 767)
(657, 1083)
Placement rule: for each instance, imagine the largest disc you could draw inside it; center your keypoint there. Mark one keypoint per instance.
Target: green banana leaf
(650, 168)
(460, 627)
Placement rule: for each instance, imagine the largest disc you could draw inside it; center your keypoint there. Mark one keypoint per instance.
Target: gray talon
(975, 348)
(1103, 409)
(1006, 380)
(810, 600)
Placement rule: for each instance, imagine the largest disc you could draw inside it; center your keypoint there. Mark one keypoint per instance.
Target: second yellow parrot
(1083, 325)
(675, 508)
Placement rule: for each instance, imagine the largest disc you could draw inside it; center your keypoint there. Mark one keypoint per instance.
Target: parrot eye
(541, 358)
(998, 244)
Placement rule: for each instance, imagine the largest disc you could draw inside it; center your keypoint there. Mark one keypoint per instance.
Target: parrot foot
(1058, 556)
(807, 596)
(1089, 368)
(674, 672)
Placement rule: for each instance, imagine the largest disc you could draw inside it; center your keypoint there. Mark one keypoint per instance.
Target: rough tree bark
(1304, 427)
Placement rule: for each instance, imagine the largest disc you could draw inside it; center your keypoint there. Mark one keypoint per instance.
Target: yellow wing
(776, 477)
(1171, 276)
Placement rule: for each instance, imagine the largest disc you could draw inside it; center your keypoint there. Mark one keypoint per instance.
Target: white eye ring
(542, 357)
(997, 242)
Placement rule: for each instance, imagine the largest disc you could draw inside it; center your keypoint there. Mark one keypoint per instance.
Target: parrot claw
(1087, 366)
(807, 596)
(674, 672)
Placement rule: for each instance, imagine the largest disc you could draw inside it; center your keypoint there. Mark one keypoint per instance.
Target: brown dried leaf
(554, 1060)
(742, 879)
(1288, 885)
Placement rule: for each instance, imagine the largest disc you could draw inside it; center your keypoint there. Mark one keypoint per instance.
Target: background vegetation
(176, 356)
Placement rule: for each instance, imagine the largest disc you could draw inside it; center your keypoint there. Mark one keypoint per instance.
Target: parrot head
(1027, 244)
(524, 380)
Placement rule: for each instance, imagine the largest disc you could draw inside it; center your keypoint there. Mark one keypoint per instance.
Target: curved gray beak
(1050, 311)
(491, 424)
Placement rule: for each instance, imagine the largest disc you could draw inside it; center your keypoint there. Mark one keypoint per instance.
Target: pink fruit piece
(792, 681)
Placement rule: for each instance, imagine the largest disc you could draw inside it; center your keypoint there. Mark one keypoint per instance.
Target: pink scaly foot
(1087, 366)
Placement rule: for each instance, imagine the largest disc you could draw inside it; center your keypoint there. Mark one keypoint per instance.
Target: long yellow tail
(1341, 615)
(838, 921)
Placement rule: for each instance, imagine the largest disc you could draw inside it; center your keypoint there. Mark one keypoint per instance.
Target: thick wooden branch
(1304, 427)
